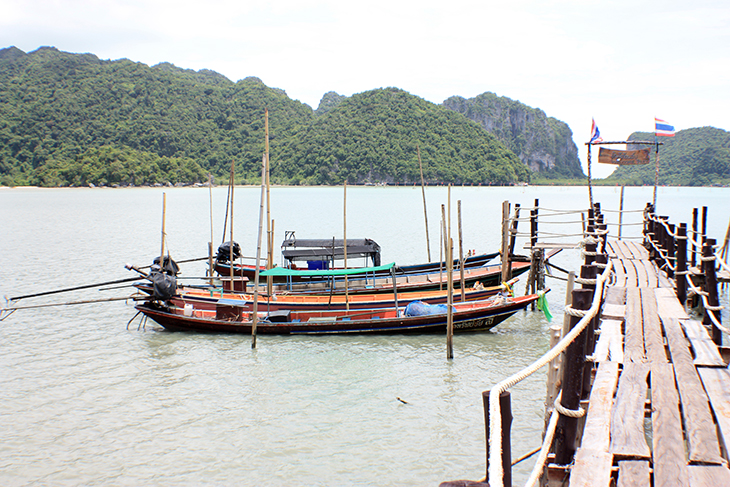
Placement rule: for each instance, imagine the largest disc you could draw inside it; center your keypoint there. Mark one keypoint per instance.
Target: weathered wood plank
(633, 327)
(631, 279)
(653, 341)
(699, 426)
(664, 281)
(610, 342)
(668, 304)
(616, 295)
(632, 473)
(637, 250)
(625, 251)
(708, 475)
(595, 471)
(592, 460)
(613, 250)
(705, 350)
(642, 280)
(627, 418)
(619, 273)
(717, 384)
(613, 311)
(670, 459)
(652, 278)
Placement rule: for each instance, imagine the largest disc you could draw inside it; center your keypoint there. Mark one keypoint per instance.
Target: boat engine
(224, 252)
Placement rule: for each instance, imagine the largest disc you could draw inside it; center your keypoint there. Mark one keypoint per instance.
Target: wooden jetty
(644, 395)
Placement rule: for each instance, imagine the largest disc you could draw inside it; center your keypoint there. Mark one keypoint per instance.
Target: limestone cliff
(544, 144)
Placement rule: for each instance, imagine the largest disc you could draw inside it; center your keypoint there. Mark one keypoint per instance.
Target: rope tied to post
(571, 413)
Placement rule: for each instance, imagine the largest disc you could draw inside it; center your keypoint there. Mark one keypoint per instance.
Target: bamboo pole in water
(450, 300)
(442, 257)
(254, 315)
(505, 241)
(210, 244)
(425, 213)
(461, 255)
(344, 240)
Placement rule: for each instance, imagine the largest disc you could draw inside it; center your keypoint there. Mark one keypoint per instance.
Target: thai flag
(595, 133)
(663, 129)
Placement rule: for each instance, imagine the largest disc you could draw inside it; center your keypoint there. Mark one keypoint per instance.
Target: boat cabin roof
(307, 249)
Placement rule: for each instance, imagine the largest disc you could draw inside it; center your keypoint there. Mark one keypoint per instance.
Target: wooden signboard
(623, 157)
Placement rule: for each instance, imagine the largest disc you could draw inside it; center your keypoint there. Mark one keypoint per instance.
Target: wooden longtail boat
(228, 317)
(208, 298)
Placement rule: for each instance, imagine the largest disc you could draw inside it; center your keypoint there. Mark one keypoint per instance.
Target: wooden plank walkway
(659, 409)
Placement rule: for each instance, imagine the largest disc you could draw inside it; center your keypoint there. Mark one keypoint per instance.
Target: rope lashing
(571, 413)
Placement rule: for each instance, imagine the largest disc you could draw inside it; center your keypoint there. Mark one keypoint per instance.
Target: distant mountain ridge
(693, 157)
(73, 119)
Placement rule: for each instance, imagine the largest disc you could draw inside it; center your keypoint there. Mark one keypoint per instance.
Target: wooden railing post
(671, 250)
(589, 272)
(505, 405)
(692, 249)
(711, 289)
(680, 276)
(575, 354)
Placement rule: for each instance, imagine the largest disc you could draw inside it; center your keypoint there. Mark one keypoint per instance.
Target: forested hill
(693, 157)
(73, 119)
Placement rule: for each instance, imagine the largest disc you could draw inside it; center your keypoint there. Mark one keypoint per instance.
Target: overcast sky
(620, 62)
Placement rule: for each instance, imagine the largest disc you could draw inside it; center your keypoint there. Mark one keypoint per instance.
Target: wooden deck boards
(654, 358)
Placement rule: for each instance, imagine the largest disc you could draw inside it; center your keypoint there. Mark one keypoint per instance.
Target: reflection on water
(88, 401)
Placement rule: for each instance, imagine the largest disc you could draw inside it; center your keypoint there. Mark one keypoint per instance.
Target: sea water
(92, 398)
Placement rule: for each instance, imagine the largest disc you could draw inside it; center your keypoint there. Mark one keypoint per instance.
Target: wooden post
(621, 213)
(566, 431)
(704, 224)
(254, 314)
(711, 290)
(162, 239)
(589, 272)
(680, 276)
(210, 244)
(513, 236)
(552, 373)
(533, 224)
(344, 242)
(425, 213)
(671, 251)
(505, 241)
(692, 248)
(450, 300)
(461, 256)
(505, 406)
(269, 230)
(230, 255)
(443, 246)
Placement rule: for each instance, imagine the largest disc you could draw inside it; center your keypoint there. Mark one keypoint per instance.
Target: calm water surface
(88, 400)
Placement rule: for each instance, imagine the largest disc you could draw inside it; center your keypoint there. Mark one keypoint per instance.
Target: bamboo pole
(461, 256)
(621, 213)
(269, 230)
(162, 246)
(656, 174)
(450, 301)
(442, 257)
(254, 316)
(344, 241)
(425, 213)
(210, 244)
(590, 188)
(505, 241)
(231, 209)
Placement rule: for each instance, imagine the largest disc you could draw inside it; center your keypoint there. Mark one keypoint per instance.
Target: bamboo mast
(254, 316)
(230, 260)
(162, 246)
(461, 256)
(425, 213)
(269, 230)
(450, 286)
(210, 244)
(442, 254)
(344, 234)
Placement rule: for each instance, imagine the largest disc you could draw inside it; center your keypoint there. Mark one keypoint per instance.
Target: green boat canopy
(283, 271)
